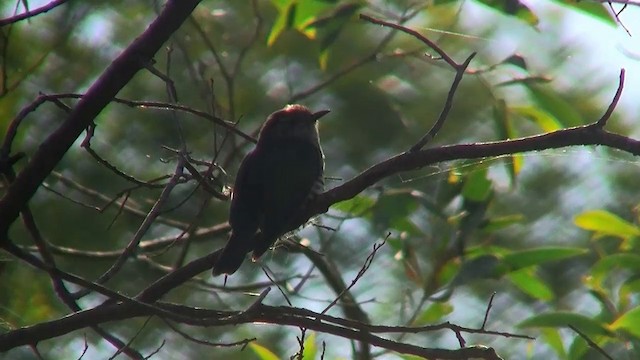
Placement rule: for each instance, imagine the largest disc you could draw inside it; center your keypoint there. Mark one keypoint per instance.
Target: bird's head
(291, 122)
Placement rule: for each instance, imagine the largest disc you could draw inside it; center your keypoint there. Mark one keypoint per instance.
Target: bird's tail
(232, 255)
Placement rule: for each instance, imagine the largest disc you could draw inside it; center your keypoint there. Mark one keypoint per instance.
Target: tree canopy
(481, 180)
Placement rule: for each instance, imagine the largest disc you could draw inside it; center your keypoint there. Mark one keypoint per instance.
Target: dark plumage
(274, 181)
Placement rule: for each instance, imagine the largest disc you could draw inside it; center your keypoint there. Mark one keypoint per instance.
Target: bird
(274, 182)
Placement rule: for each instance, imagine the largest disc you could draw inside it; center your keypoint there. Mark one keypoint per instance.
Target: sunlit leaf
(411, 357)
(605, 266)
(629, 321)
(294, 14)
(551, 102)
(606, 223)
(531, 284)
(628, 291)
(543, 119)
(554, 340)
(262, 352)
(310, 347)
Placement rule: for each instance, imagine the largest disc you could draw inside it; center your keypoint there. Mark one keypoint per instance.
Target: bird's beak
(319, 114)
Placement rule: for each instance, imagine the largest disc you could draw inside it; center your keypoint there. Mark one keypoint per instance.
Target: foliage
(419, 241)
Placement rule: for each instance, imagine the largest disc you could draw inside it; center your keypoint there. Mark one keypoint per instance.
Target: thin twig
(486, 313)
(415, 34)
(144, 227)
(367, 263)
(460, 69)
(591, 343)
(242, 343)
(614, 103)
(286, 298)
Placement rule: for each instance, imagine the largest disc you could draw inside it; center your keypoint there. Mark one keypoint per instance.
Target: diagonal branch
(115, 77)
(31, 13)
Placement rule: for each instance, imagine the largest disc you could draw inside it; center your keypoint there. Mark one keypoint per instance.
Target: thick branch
(115, 77)
(261, 313)
(582, 135)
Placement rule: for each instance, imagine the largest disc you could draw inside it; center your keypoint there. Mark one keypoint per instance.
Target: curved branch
(31, 13)
(115, 77)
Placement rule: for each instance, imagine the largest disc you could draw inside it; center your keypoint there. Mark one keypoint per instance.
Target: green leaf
(554, 104)
(294, 14)
(522, 259)
(477, 187)
(543, 119)
(561, 319)
(310, 348)
(481, 267)
(530, 284)
(502, 222)
(331, 25)
(593, 9)
(505, 130)
(554, 340)
(286, 10)
(262, 352)
(606, 223)
(630, 322)
(605, 266)
(501, 120)
(479, 250)
(410, 357)
(628, 292)
(513, 8)
(355, 206)
(433, 313)
(393, 208)
(578, 348)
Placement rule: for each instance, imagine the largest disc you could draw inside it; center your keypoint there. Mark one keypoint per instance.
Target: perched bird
(274, 182)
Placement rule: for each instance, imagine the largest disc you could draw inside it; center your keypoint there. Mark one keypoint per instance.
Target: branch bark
(115, 77)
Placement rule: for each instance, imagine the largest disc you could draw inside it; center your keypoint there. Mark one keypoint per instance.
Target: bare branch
(31, 13)
(612, 106)
(119, 73)
(144, 227)
(415, 34)
(460, 69)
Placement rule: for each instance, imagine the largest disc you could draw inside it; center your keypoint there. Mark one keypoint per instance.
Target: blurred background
(554, 234)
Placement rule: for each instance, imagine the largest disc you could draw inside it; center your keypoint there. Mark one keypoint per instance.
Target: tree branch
(115, 77)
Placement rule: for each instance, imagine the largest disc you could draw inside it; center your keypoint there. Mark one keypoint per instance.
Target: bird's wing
(289, 178)
(245, 212)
